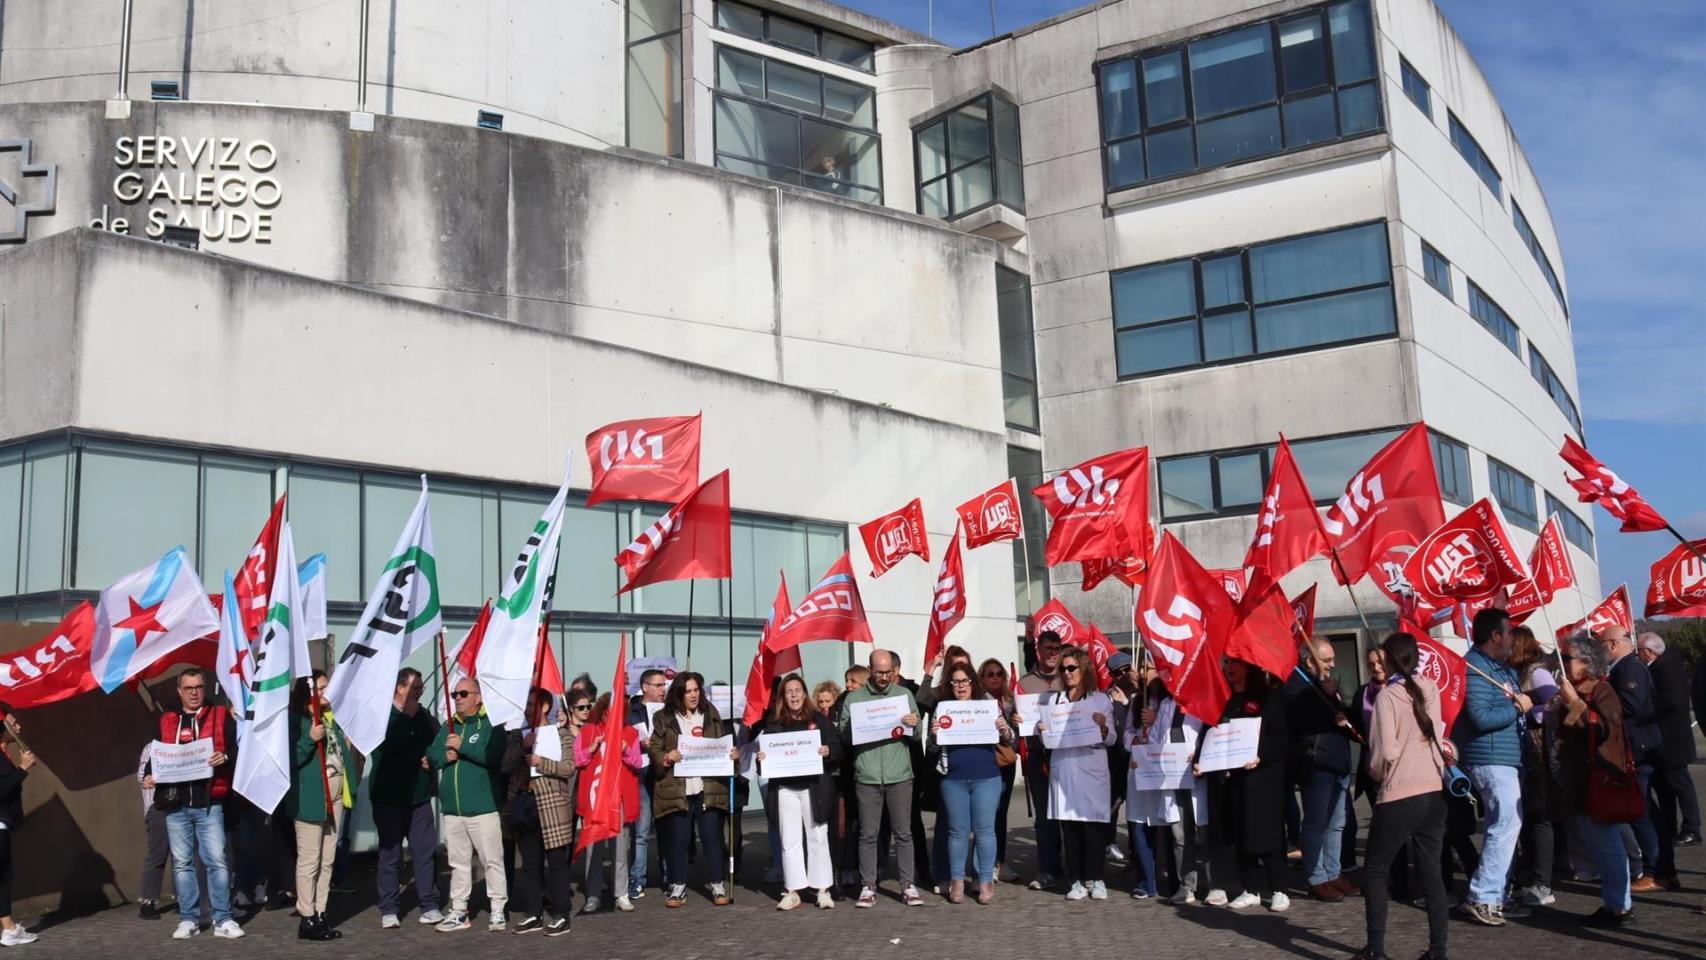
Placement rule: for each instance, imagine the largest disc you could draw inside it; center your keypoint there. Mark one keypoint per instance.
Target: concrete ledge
(1325, 155)
(997, 222)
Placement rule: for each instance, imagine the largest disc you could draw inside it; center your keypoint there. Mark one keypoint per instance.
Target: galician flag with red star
(146, 615)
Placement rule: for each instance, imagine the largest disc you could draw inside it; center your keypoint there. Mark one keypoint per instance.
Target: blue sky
(1608, 102)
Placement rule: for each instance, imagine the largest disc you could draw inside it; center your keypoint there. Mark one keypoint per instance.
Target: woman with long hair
(541, 815)
(681, 805)
(1079, 795)
(1248, 804)
(970, 787)
(1407, 758)
(824, 696)
(589, 745)
(999, 686)
(315, 801)
(804, 805)
(1178, 815)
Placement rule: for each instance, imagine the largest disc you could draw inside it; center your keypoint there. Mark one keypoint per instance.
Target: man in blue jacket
(1489, 745)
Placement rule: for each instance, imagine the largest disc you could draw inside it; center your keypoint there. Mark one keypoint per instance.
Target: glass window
(1320, 263)
(1030, 583)
(1187, 487)
(1451, 462)
(1147, 294)
(587, 579)
(11, 505)
(654, 75)
(386, 502)
(1322, 320)
(1554, 386)
(1515, 494)
(784, 141)
(794, 88)
(740, 18)
(1170, 152)
(1494, 318)
(1476, 157)
(1222, 281)
(465, 539)
(849, 103)
(975, 147)
(849, 52)
(325, 517)
(133, 505)
(1018, 351)
(1359, 110)
(1119, 100)
(1163, 347)
(792, 34)
(739, 72)
(1227, 335)
(648, 18)
(1437, 269)
(1242, 483)
(1232, 71)
(971, 187)
(1009, 165)
(1303, 53)
(1125, 162)
(1328, 464)
(1576, 530)
(1526, 232)
(760, 133)
(1416, 88)
(1311, 120)
(1236, 137)
(236, 498)
(1353, 41)
(1164, 88)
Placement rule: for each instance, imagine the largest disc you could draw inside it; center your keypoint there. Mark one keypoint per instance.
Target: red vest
(208, 722)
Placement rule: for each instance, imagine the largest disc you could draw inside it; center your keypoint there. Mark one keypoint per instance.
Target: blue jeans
(190, 831)
(1605, 845)
(1145, 855)
(1047, 830)
(642, 844)
(1646, 834)
(1323, 831)
(1500, 789)
(970, 806)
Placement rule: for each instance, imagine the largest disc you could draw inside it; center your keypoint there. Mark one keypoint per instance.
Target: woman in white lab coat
(1182, 811)
(1080, 795)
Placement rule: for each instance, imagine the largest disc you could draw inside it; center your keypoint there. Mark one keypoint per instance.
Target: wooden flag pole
(444, 682)
(1339, 566)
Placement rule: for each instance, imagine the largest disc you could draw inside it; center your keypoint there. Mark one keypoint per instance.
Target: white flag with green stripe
(281, 656)
(510, 648)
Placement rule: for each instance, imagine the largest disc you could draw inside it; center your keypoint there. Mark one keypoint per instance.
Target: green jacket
(669, 792)
(884, 761)
(306, 798)
(395, 774)
(473, 784)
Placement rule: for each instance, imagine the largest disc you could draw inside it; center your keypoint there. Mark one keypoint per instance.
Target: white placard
(1026, 706)
(640, 665)
(182, 762)
(705, 757)
(644, 731)
(874, 720)
(1069, 723)
(547, 745)
(731, 704)
(1161, 766)
(966, 722)
(1230, 745)
(790, 754)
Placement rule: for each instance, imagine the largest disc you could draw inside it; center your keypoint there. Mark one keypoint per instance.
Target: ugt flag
(1186, 618)
(992, 516)
(1678, 586)
(265, 734)
(1100, 508)
(690, 542)
(509, 653)
(1469, 559)
(1445, 670)
(1391, 503)
(1598, 484)
(1550, 570)
(146, 615)
(949, 606)
(895, 536)
(650, 459)
(1053, 617)
(55, 668)
(1614, 611)
(401, 616)
(832, 610)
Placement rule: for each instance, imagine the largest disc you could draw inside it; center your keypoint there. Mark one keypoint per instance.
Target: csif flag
(146, 615)
(1446, 670)
(254, 578)
(1391, 503)
(1549, 569)
(652, 459)
(1100, 508)
(769, 664)
(605, 819)
(1470, 559)
(400, 617)
(265, 733)
(1598, 484)
(993, 516)
(1678, 585)
(949, 606)
(831, 611)
(1288, 529)
(690, 542)
(508, 657)
(1128, 571)
(53, 669)
(894, 536)
(1186, 619)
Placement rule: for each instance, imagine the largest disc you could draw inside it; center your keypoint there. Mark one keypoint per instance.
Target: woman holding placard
(996, 684)
(1162, 726)
(1079, 792)
(1248, 803)
(804, 803)
(682, 803)
(971, 781)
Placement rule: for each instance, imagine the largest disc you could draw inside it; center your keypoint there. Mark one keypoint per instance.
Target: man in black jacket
(1672, 787)
(1634, 686)
(1321, 747)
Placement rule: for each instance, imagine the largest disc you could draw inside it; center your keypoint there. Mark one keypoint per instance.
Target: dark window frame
(1576, 530)
(1501, 475)
(1031, 330)
(1549, 381)
(1478, 296)
(988, 99)
(1410, 79)
(819, 32)
(1429, 258)
(1459, 451)
(1481, 164)
(1248, 305)
(1281, 98)
(1525, 231)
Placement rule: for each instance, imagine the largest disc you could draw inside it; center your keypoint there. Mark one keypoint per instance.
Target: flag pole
(1025, 549)
(1680, 539)
(1557, 644)
(730, 612)
(1339, 566)
(444, 684)
(690, 584)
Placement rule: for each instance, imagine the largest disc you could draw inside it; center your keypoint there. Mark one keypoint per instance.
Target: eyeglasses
(1069, 668)
(581, 706)
(195, 689)
(883, 673)
(459, 694)
(962, 681)
(1122, 671)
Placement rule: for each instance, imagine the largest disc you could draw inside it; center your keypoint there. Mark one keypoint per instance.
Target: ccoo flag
(832, 610)
(510, 649)
(146, 615)
(264, 733)
(401, 616)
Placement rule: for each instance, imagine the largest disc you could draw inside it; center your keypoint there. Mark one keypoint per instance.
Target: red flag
(1288, 530)
(1128, 571)
(467, 652)
(254, 578)
(604, 821)
(1445, 670)
(1053, 617)
(1392, 502)
(1678, 587)
(831, 611)
(690, 542)
(55, 668)
(1266, 633)
(1469, 559)
(650, 459)
(1303, 613)
(1186, 619)
(1597, 484)
(1100, 508)
(546, 674)
(1614, 611)
(894, 536)
(1234, 581)
(1100, 648)
(949, 607)
(993, 516)
(1549, 569)
(769, 664)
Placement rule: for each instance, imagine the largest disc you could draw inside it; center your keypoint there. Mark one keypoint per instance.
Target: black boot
(326, 928)
(308, 928)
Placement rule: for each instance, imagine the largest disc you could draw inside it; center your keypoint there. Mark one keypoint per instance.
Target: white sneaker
(1098, 890)
(1216, 898)
(389, 922)
(624, 904)
(1279, 903)
(1115, 854)
(432, 916)
(228, 930)
(1184, 896)
(16, 937)
(186, 929)
(1077, 892)
(1536, 896)
(789, 901)
(497, 924)
(1244, 901)
(824, 900)
(453, 922)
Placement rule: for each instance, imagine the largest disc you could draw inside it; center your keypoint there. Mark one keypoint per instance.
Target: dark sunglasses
(1069, 668)
(581, 706)
(459, 694)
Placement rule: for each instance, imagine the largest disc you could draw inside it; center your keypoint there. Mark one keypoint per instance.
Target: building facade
(453, 238)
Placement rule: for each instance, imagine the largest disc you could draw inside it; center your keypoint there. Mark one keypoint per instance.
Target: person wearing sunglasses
(400, 788)
(468, 755)
(1079, 791)
(994, 678)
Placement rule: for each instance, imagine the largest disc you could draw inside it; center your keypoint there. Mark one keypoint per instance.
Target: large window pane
(1359, 109)
(236, 498)
(1239, 136)
(1030, 582)
(465, 541)
(757, 133)
(11, 500)
(1222, 281)
(1319, 263)
(587, 577)
(1018, 356)
(1344, 316)
(774, 547)
(1125, 163)
(741, 73)
(325, 517)
(933, 199)
(47, 512)
(1119, 99)
(793, 34)
(386, 503)
(848, 52)
(1231, 71)
(1227, 335)
(1310, 120)
(1164, 88)
(1328, 465)
(833, 157)
(972, 187)
(1303, 53)
(1353, 41)
(1148, 294)
(849, 103)
(789, 86)
(932, 151)
(1241, 483)
(968, 133)
(1187, 487)
(132, 507)
(1171, 152)
(740, 18)
(648, 18)
(1451, 461)
(1158, 348)
(1010, 172)
(654, 96)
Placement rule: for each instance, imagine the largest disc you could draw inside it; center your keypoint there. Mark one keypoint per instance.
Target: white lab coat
(1161, 807)
(1079, 785)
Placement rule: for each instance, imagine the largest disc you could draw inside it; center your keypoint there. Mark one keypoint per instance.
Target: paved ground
(1021, 923)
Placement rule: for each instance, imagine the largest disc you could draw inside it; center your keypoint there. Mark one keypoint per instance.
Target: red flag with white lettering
(1186, 619)
(1549, 569)
(1598, 484)
(1128, 571)
(894, 536)
(1391, 503)
(651, 459)
(1266, 633)
(949, 606)
(54, 668)
(1053, 617)
(1100, 648)
(1100, 508)
(1303, 613)
(1288, 530)
(690, 542)
(254, 578)
(1614, 611)
(604, 820)
(768, 664)
(831, 611)
(1469, 560)
(1678, 587)
(1445, 670)
(993, 516)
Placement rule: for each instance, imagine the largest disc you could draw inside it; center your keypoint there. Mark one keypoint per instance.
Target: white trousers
(466, 838)
(805, 842)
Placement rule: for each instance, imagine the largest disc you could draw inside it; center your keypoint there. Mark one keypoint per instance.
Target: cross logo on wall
(23, 209)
